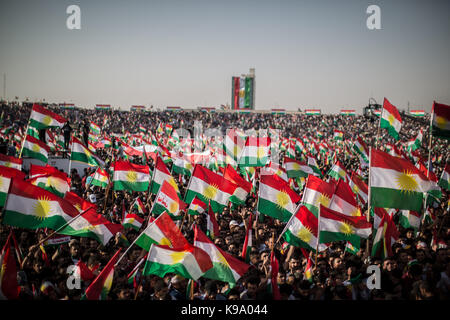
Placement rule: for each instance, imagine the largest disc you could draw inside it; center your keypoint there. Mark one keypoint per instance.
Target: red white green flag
(209, 186)
(244, 187)
(168, 200)
(317, 192)
(11, 162)
(359, 188)
(386, 235)
(360, 147)
(335, 226)
(35, 148)
(409, 219)
(444, 181)
(338, 135)
(161, 231)
(396, 182)
(130, 176)
(276, 198)
(338, 172)
(344, 200)
(31, 207)
(100, 287)
(82, 154)
(302, 230)
(225, 267)
(139, 206)
(41, 118)
(390, 119)
(100, 178)
(295, 168)
(196, 207)
(255, 152)
(248, 242)
(132, 221)
(161, 174)
(6, 174)
(50, 179)
(441, 120)
(189, 261)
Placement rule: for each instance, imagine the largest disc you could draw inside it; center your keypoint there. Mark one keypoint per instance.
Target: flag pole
(369, 196)
(70, 158)
(25, 137)
(287, 224)
(121, 257)
(318, 236)
(379, 125)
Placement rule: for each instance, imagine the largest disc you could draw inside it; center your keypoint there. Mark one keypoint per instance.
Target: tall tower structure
(243, 91)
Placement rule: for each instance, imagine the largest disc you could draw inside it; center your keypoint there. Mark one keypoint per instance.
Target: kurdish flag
(82, 154)
(225, 267)
(338, 135)
(348, 112)
(335, 226)
(415, 144)
(317, 192)
(132, 221)
(196, 207)
(386, 235)
(139, 206)
(444, 181)
(338, 172)
(361, 148)
(233, 145)
(31, 207)
(189, 261)
(295, 168)
(41, 118)
(212, 227)
(396, 182)
(161, 231)
(54, 181)
(35, 148)
(312, 163)
(182, 166)
(99, 288)
(130, 176)
(409, 219)
(168, 200)
(312, 112)
(161, 174)
(10, 162)
(417, 113)
(276, 198)
(255, 152)
(390, 119)
(441, 120)
(6, 174)
(209, 186)
(100, 178)
(359, 188)
(344, 201)
(244, 187)
(302, 230)
(95, 129)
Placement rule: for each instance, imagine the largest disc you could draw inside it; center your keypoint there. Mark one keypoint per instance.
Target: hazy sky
(313, 53)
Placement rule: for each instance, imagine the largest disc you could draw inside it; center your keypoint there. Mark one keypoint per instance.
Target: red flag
(274, 282)
(9, 289)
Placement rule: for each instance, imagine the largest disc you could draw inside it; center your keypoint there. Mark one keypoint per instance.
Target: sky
(306, 54)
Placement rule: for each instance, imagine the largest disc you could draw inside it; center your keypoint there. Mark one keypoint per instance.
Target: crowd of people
(418, 270)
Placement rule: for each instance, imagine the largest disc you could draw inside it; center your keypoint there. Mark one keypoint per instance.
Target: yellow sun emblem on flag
(131, 176)
(165, 241)
(222, 259)
(177, 257)
(42, 208)
(356, 212)
(406, 182)
(188, 166)
(282, 199)
(391, 119)
(195, 207)
(47, 120)
(36, 148)
(173, 183)
(322, 199)
(295, 166)
(173, 207)
(236, 150)
(355, 188)
(345, 228)
(8, 164)
(210, 191)
(77, 205)
(131, 220)
(304, 234)
(441, 122)
(260, 152)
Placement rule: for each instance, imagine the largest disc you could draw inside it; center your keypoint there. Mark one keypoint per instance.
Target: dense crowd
(418, 270)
